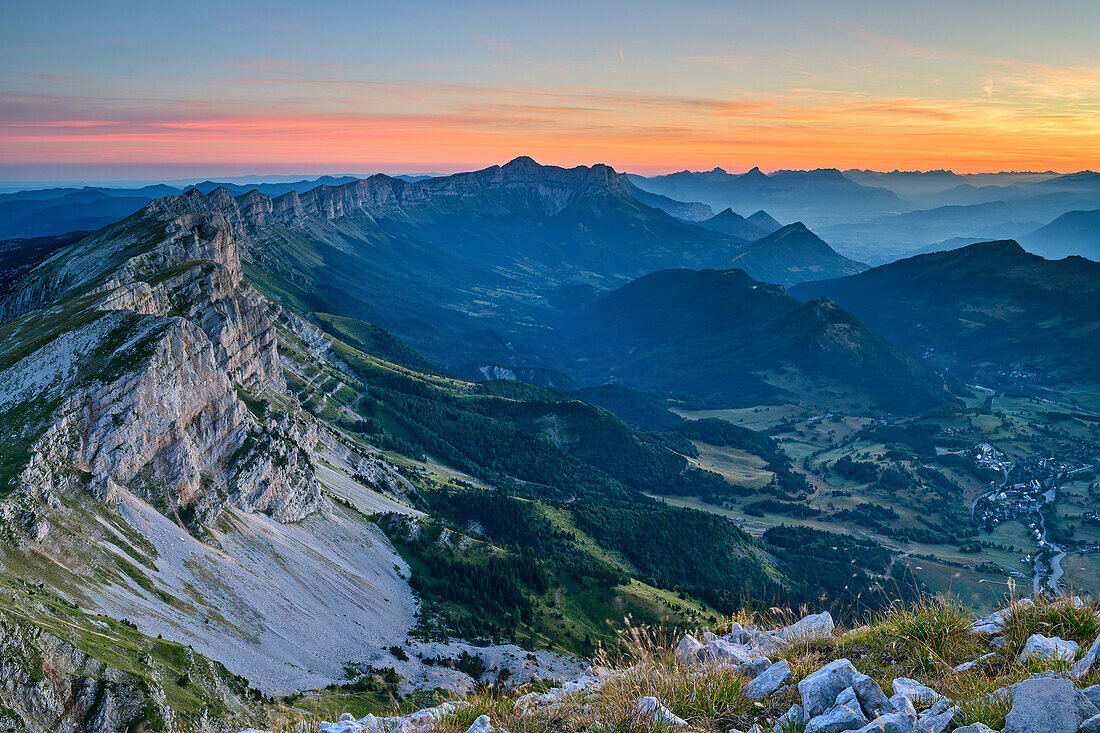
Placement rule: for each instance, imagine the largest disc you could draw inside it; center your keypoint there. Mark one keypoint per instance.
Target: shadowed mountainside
(982, 310)
(726, 337)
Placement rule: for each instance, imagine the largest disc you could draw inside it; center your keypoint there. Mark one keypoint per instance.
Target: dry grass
(295, 722)
(1059, 616)
(924, 640)
(932, 634)
(976, 695)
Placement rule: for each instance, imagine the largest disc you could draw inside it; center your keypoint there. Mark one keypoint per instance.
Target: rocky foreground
(758, 681)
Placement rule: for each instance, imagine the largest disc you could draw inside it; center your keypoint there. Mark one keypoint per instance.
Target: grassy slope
(576, 608)
(713, 335)
(191, 684)
(984, 310)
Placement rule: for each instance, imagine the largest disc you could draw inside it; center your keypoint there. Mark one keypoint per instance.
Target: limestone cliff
(122, 361)
(522, 183)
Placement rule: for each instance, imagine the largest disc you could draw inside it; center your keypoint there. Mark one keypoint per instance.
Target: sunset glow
(252, 90)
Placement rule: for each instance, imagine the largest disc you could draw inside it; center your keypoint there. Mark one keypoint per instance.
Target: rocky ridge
(548, 189)
(48, 684)
(129, 378)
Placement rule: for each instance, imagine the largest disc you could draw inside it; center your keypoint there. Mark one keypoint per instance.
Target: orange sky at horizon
(434, 88)
(886, 135)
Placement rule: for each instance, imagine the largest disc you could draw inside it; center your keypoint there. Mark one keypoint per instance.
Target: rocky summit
(731, 683)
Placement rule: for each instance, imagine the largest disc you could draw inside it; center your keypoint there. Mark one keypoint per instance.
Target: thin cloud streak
(335, 113)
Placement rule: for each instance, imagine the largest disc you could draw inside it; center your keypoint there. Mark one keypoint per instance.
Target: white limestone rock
(1085, 663)
(974, 662)
(481, 725)
(845, 714)
(1048, 648)
(920, 695)
(871, 697)
(723, 652)
(689, 650)
(1047, 705)
(650, 710)
(794, 717)
(815, 626)
(768, 682)
(819, 689)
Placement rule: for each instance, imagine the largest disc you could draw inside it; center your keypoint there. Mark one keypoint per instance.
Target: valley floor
(1061, 455)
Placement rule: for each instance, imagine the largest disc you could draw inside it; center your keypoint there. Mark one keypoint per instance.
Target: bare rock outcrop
(51, 685)
(138, 387)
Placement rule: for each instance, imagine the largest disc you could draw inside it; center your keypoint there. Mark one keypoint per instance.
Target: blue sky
(114, 88)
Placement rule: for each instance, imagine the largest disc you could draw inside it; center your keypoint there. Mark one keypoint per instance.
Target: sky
(155, 90)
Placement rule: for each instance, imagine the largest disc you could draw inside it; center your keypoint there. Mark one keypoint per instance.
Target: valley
(568, 367)
(377, 443)
(1034, 509)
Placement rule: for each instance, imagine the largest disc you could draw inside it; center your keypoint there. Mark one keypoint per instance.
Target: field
(736, 466)
(1025, 426)
(981, 591)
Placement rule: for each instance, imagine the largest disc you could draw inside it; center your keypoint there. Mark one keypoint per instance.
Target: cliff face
(520, 184)
(54, 684)
(137, 384)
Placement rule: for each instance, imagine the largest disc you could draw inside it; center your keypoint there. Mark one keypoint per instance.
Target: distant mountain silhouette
(686, 210)
(764, 221)
(791, 255)
(732, 223)
(469, 269)
(54, 211)
(820, 196)
(1072, 233)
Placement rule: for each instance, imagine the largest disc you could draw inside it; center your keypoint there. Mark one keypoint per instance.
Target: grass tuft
(1061, 616)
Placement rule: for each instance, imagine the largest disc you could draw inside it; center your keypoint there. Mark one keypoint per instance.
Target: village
(1028, 486)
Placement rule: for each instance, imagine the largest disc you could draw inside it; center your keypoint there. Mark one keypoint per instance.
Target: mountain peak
(669, 329)
(996, 248)
(793, 254)
(796, 232)
(764, 221)
(730, 222)
(521, 162)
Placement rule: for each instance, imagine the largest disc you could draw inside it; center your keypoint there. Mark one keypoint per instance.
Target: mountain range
(823, 196)
(201, 464)
(474, 267)
(869, 216)
(984, 311)
(485, 271)
(475, 419)
(885, 238)
(53, 211)
(755, 226)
